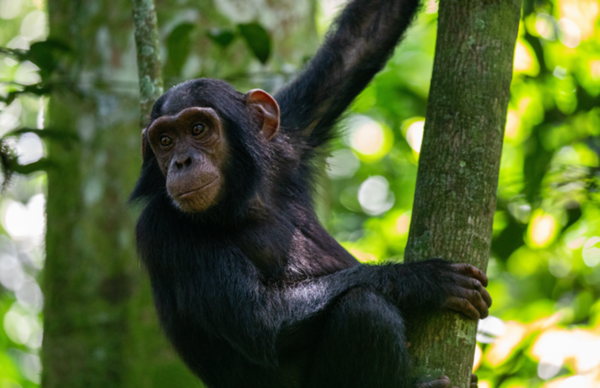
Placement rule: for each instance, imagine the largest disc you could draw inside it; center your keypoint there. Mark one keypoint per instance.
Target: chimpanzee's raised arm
(357, 46)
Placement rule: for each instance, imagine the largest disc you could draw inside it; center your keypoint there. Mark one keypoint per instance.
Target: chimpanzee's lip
(192, 192)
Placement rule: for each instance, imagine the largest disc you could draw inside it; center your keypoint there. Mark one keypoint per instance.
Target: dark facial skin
(191, 150)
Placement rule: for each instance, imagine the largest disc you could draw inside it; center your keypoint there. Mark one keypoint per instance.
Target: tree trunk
(148, 57)
(100, 328)
(459, 162)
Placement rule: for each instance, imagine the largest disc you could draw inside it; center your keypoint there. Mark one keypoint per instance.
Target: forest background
(545, 262)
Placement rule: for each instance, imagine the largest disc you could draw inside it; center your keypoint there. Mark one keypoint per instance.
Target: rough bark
(148, 56)
(100, 328)
(459, 162)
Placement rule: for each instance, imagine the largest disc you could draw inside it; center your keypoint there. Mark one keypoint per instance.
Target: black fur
(254, 292)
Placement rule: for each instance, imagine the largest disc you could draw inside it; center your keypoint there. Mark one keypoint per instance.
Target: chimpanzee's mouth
(194, 191)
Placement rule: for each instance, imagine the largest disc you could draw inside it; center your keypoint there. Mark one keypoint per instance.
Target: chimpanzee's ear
(266, 110)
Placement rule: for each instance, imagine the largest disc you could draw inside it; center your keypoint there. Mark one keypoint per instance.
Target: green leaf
(257, 39)
(46, 55)
(178, 44)
(222, 37)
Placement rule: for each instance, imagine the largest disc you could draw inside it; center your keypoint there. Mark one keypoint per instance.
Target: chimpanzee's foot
(444, 382)
(473, 381)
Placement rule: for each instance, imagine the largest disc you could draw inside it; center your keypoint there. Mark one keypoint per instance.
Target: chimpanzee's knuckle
(465, 304)
(473, 295)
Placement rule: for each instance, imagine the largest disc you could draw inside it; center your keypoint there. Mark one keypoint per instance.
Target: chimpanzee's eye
(165, 141)
(198, 129)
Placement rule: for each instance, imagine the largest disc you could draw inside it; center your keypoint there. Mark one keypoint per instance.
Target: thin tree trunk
(148, 56)
(459, 162)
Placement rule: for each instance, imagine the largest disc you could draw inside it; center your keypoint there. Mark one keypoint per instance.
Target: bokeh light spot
(489, 329)
(403, 223)
(524, 59)
(22, 221)
(590, 253)
(34, 25)
(29, 148)
(27, 74)
(583, 13)
(342, 164)
(512, 124)
(570, 33)
(542, 229)
(414, 135)
(10, 8)
(544, 25)
(478, 357)
(374, 195)
(368, 138)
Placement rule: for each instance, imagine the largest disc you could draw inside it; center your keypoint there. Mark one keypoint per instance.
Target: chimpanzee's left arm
(257, 319)
(358, 45)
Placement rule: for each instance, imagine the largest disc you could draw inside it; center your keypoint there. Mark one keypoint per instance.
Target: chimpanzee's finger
(485, 295)
(471, 271)
(474, 298)
(474, 380)
(462, 305)
(476, 285)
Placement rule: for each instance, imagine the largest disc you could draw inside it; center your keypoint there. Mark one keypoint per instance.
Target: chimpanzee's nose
(183, 160)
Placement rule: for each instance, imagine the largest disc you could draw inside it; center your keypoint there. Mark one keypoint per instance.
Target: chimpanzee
(249, 287)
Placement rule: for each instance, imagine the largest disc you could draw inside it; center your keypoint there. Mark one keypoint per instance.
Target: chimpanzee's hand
(467, 293)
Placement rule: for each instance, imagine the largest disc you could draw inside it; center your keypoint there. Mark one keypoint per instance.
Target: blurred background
(544, 267)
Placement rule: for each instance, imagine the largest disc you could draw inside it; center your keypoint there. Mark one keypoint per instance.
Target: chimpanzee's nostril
(186, 162)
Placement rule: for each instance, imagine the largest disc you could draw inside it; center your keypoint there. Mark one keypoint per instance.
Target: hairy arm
(357, 46)
(265, 316)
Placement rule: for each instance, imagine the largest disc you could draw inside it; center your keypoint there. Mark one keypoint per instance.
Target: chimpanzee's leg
(364, 345)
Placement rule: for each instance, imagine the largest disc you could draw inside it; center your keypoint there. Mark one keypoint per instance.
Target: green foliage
(545, 259)
(257, 39)
(178, 44)
(222, 37)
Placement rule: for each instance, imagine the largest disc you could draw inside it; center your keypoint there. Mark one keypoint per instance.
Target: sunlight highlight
(570, 33)
(590, 253)
(22, 221)
(374, 195)
(342, 164)
(10, 9)
(478, 357)
(525, 61)
(500, 350)
(542, 230)
(403, 223)
(544, 26)
(414, 135)
(583, 13)
(555, 347)
(368, 138)
(513, 121)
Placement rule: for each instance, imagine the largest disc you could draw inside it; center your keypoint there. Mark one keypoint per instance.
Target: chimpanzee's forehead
(202, 93)
(175, 104)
